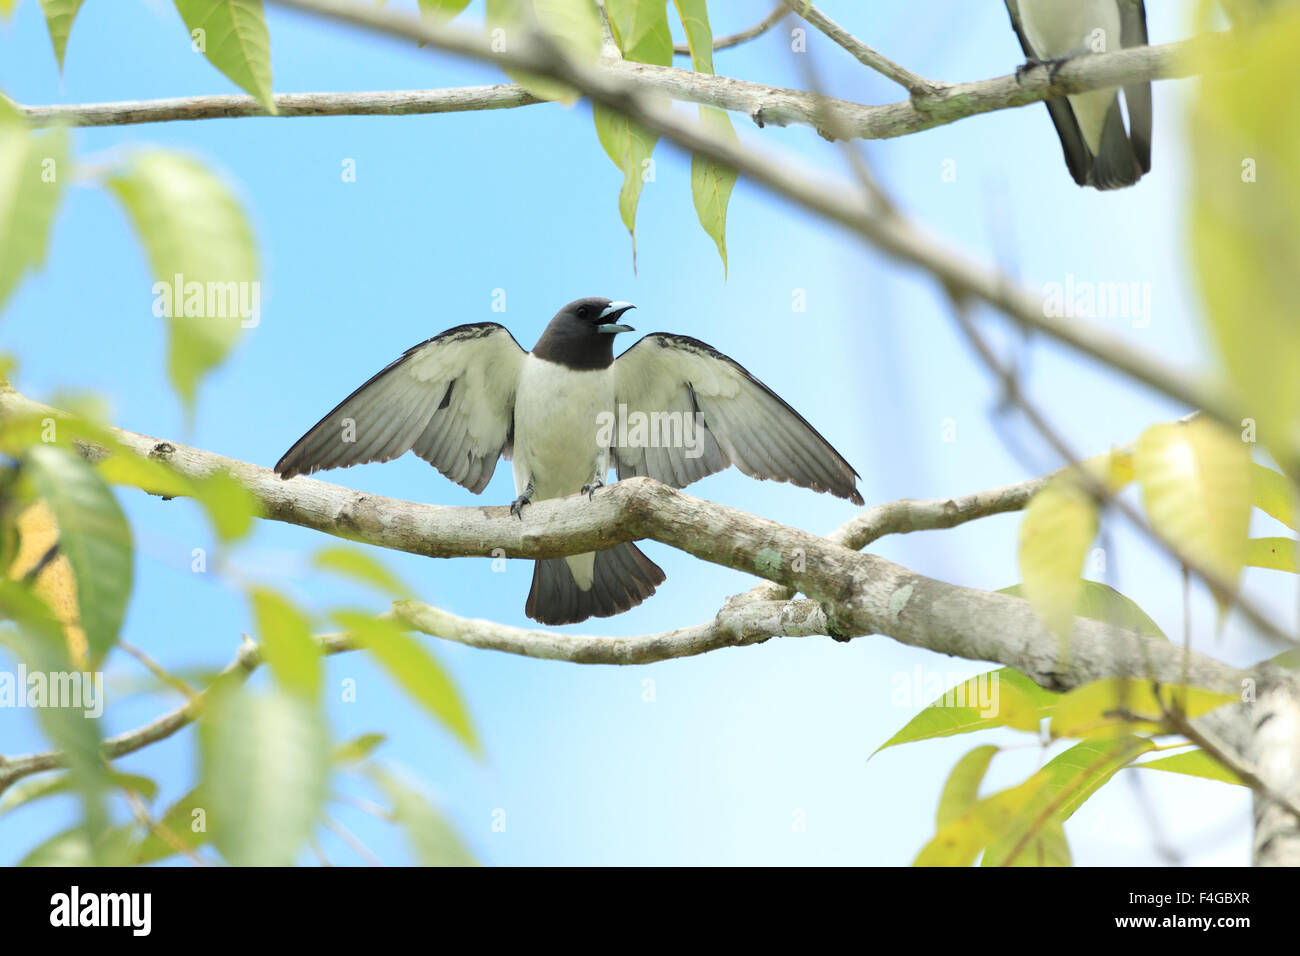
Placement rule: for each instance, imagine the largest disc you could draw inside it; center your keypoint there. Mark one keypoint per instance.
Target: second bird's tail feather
(623, 578)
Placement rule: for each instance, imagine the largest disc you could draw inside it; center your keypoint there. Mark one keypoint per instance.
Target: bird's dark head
(582, 333)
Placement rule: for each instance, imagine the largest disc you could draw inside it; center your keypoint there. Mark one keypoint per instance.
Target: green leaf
(699, 35)
(641, 30)
(1011, 700)
(1115, 707)
(1193, 763)
(229, 505)
(59, 15)
(1196, 487)
(361, 567)
(433, 840)
(235, 40)
(441, 11)
(76, 847)
(357, 749)
(265, 763)
(711, 183)
(287, 644)
(630, 146)
(962, 789)
(93, 534)
(1276, 553)
(1058, 528)
(40, 641)
(572, 25)
(414, 669)
(1271, 493)
(33, 170)
(193, 227)
(36, 788)
(1245, 220)
(182, 827)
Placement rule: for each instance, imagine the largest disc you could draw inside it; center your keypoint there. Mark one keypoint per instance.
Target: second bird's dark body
(466, 397)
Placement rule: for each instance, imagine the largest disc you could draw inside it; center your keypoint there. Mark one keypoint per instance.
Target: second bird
(670, 407)
(1099, 150)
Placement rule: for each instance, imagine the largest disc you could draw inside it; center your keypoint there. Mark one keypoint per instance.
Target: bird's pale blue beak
(612, 312)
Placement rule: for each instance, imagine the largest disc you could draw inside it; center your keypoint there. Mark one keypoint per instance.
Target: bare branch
(766, 105)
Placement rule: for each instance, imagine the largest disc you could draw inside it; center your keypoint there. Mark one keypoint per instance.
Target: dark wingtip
(856, 497)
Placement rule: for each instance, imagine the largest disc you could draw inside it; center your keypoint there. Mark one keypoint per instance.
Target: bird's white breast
(557, 419)
(1057, 28)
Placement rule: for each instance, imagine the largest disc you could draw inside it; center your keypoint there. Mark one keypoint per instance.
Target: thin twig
(918, 86)
(744, 36)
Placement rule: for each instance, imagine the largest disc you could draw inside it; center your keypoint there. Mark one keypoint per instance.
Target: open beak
(610, 325)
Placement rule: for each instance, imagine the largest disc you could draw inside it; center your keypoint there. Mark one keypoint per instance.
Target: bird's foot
(517, 506)
(590, 490)
(1053, 66)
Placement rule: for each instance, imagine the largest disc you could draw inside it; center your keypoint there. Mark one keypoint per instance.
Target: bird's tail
(1115, 165)
(623, 577)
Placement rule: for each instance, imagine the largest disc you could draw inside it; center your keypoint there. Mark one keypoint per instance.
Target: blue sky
(736, 746)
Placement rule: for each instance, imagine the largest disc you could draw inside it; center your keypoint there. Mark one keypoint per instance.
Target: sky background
(736, 748)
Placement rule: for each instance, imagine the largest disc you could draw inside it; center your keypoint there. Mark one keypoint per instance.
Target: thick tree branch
(859, 593)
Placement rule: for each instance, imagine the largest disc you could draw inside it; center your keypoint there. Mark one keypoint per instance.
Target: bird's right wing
(451, 400)
(729, 417)
(1077, 155)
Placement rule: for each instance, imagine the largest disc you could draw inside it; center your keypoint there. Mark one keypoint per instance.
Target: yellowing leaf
(95, 536)
(1116, 707)
(962, 789)
(1000, 698)
(53, 582)
(1279, 554)
(1273, 495)
(232, 35)
(1193, 763)
(1058, 528)
(1196, 486)
(960, 841)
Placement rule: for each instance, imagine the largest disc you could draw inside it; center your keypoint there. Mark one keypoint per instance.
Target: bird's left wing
(1133, 32)
(451, 400)
(700, 411)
